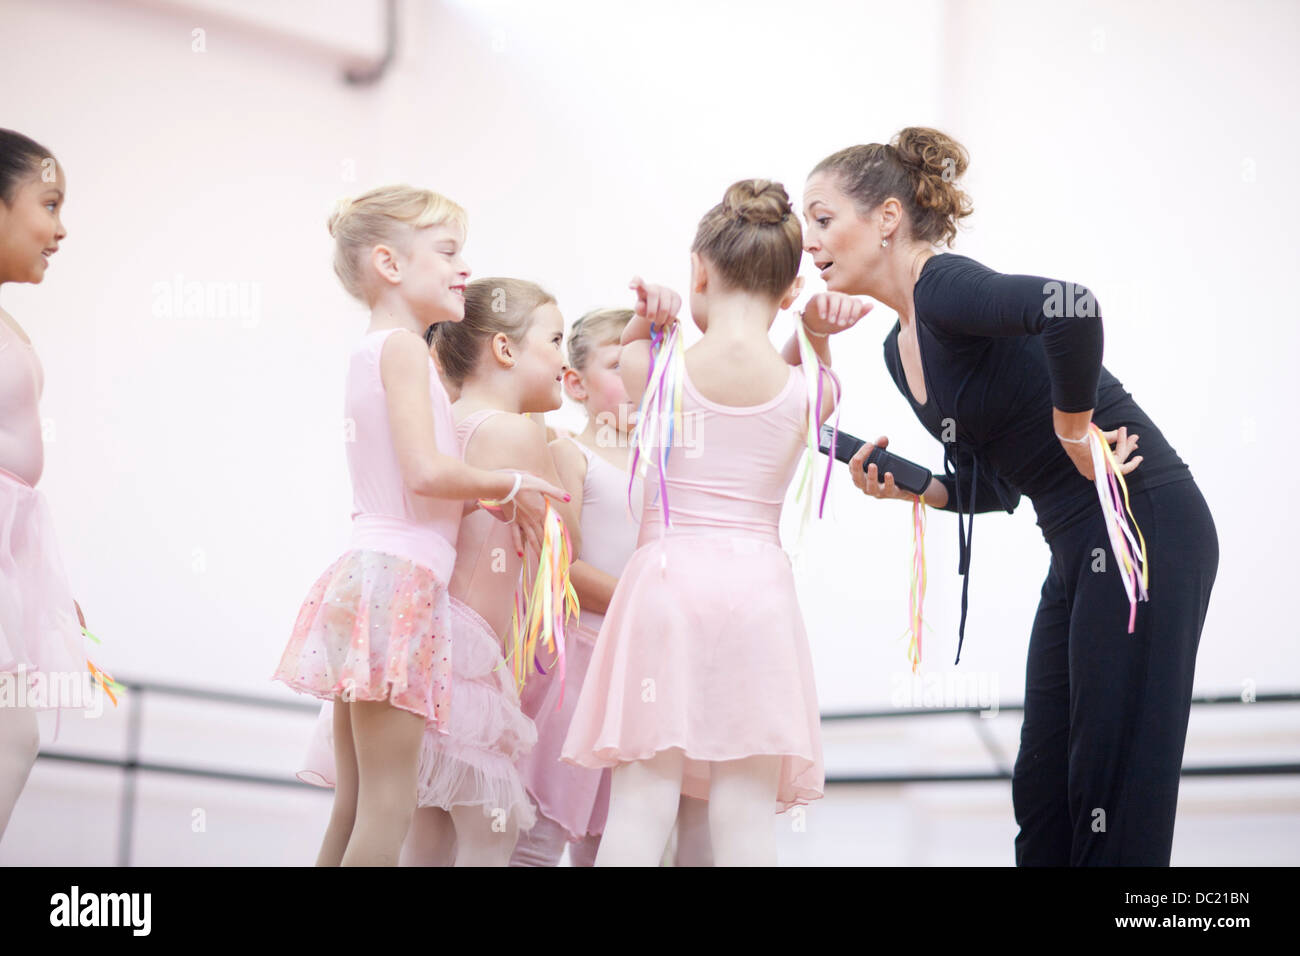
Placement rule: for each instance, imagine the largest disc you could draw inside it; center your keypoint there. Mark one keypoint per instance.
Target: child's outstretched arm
(656, 305)
(513, 441)
(825, 314)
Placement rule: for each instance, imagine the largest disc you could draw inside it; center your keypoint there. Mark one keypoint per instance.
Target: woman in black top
(1006, 371)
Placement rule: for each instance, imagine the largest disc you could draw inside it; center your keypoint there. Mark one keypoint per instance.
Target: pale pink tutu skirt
(39, 630)
(709, 656)
(471, 763)
(374, 627)
(574, 797)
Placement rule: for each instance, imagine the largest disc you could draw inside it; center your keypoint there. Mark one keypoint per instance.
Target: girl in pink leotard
(374, 634)
(593, 466)
(701, 681)
(503, 363)
(42, 647)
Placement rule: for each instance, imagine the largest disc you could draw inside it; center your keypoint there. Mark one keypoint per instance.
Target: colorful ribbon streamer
(551, 601)
(807, 466)
(102, 677)
(916, 599)
(104, 680)
(1128, 551)
(659, 415)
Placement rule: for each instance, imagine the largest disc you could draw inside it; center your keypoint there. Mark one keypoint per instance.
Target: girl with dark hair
(41, 640)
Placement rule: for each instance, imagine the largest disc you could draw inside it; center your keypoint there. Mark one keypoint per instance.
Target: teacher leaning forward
(1006, 371)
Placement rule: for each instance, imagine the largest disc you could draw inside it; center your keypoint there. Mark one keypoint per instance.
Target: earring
(884, 242)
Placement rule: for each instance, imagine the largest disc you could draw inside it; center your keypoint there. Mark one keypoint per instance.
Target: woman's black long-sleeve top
(998, 352)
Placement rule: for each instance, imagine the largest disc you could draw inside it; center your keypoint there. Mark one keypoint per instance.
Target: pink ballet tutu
(708, 656)
(39, 630)
(473, 762)
(574, 797)
(374, 627)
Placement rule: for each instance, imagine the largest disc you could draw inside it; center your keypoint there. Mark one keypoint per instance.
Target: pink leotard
(22, 453)
(386, 515)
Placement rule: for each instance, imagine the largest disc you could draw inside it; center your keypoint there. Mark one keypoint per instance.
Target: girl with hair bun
(374, 635)
(572, 802)
(701, 681)
(1006, 371)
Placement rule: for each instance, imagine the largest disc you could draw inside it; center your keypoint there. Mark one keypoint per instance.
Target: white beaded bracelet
(1074, 441)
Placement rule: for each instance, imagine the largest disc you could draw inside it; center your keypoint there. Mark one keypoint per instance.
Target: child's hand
(830, 312)
(530, 510)
(657, 303)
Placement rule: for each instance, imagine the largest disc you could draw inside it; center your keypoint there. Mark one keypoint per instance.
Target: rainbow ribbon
(552, 600)
(659, 417)
(807, 467)
(916, 599)
(1128, 550)
(102, 677)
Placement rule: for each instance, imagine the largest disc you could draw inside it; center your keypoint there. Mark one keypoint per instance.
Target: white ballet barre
(132, 765)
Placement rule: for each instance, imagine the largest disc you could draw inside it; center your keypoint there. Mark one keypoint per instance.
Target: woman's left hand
(1124, 445)
(830, 312)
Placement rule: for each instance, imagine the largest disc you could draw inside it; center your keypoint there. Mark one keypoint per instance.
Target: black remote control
(908, 475)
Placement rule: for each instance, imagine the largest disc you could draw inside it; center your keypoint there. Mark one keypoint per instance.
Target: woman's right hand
(869, 482)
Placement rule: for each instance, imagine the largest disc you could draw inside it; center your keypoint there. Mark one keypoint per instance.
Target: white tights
(643, 803)
(544, 844)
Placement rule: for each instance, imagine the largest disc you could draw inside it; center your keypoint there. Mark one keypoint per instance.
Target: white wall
(194, 464)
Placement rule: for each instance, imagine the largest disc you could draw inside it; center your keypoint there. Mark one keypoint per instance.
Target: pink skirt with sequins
(374, 627)
(472, 762)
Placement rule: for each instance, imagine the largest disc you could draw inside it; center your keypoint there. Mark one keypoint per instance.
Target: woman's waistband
(420, 543)
(1086, 507)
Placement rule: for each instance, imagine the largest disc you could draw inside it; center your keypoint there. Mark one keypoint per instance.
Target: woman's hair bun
(931, 152)
(758, 201)
(920, 168)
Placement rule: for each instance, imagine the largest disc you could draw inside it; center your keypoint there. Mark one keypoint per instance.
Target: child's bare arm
(595, 588)
(404, 371)
(515, 442)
